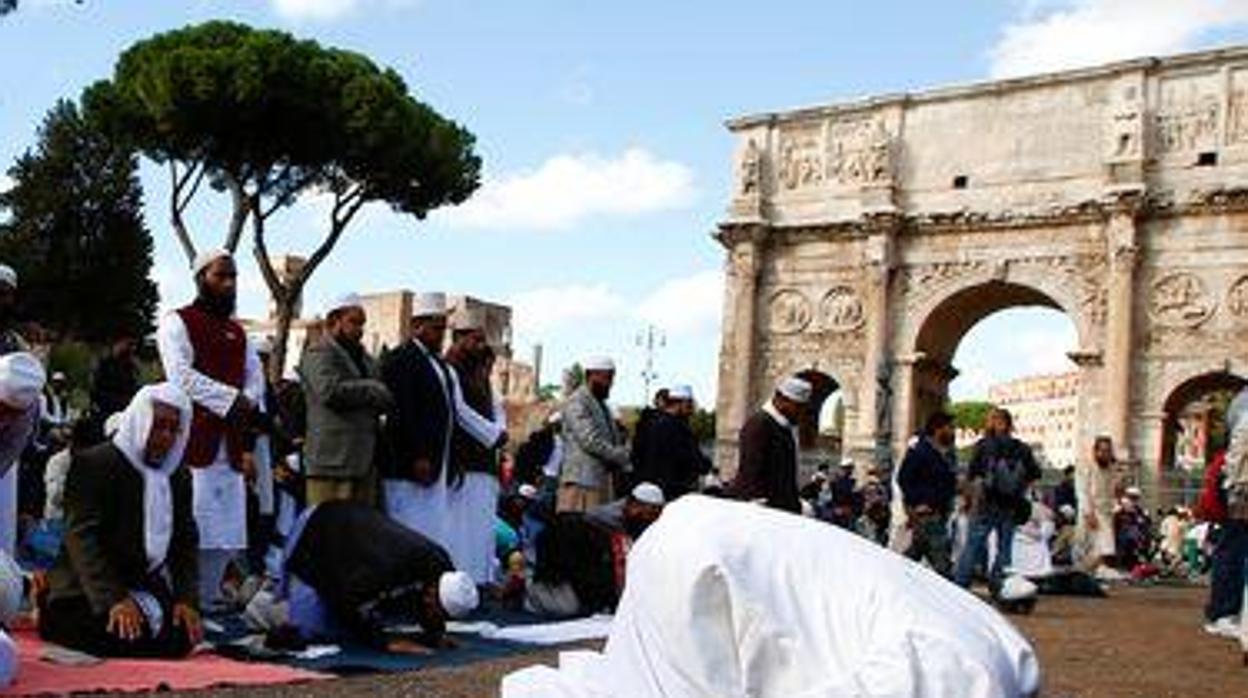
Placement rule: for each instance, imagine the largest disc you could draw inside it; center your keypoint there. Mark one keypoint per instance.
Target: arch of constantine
(864, 239)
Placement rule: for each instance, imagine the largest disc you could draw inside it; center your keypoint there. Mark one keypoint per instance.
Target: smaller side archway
(1194, 424)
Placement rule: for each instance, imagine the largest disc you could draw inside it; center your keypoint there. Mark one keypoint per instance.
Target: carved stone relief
(801, 162)
(1237, 298)
(750, 174)
(1125, 130)
(789, 312)
(1187, 118)
(860, 151)
(1180, 300)
(841, 310)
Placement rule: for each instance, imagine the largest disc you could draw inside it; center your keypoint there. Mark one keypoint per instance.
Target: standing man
(115, 381)
(767, 465)
(428, 405)
(205, 352)
(595, 447)
(669, 455)
(474, 485)
(345, 399)
(21, 382)
(1002, 469)
(1095, 509)
(929, 483)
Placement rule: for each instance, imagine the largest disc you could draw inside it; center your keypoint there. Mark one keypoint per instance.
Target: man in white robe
(714, 608)
(21, 383)
(205, 352)
(428, 406)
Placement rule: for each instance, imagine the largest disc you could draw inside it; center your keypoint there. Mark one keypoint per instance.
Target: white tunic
(426, 509)
(472, 508)
(714, 608)
(219, 493)
(15, 434)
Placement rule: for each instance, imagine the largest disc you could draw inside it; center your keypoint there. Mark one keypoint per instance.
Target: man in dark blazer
(928, 481)
(767, 448)
(669, 455)
(125, 582)
(428, 405)
(345, 399)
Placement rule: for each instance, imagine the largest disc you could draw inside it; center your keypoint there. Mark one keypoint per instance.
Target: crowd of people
(356, 494)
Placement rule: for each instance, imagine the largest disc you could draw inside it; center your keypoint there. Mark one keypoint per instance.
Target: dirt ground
(1140, 643)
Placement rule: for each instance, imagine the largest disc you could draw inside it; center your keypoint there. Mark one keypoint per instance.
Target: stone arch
(1182, 394)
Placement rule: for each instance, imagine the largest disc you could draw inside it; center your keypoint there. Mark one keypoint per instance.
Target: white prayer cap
(112, 424)
(554, 417)
(207, 257)
(468, 319)
(796, 389)
(59, 376)
(11, 588)
(648, 493)
(8, 276)
(847, 462)
(680, 392)
(21, 379)
(1134, 492)
(429, 304)
(1017, 588)
(1067, 510)
(458, 594)
(527, 491)
(599, 363)
(346, 300)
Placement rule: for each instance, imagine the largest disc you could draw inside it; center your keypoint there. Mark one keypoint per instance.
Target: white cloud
(568, 189)
(544, 309)
(1059, 34)
(327, 10)
(691, 305)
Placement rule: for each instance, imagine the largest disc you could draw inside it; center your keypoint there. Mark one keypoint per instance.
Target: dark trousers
(930, 541)
(71, 623)
(976, 551)
(1230, 557)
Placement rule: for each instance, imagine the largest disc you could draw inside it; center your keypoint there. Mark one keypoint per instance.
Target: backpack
(1006, 475)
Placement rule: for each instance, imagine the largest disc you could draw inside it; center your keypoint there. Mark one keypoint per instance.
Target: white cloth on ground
(1031, 555)
(131, 439)
(714, 608)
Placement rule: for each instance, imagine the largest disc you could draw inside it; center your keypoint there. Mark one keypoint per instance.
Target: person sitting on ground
(1133, 531)
(581, 558)
(727, 599)
(350, 570)
(124, 584)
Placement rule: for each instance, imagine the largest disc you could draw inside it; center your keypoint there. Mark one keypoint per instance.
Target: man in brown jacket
(767, 448)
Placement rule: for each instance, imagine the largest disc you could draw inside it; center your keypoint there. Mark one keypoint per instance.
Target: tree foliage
(268, 118)
(76, 234)
(970, 414)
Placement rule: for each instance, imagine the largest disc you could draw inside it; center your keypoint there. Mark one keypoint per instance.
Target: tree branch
(239, 218)
(260, 249)
(175, 211)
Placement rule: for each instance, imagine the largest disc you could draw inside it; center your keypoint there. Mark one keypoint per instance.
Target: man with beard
(595, 447)
(582, 557)
(473, 493)
(205, 352)
(345, 399)
(767, 463)
(428, 406)
(669, 455)
(929, 481)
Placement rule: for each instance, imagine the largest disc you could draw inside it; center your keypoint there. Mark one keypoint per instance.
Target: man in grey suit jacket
(345, 399)
(595, 447)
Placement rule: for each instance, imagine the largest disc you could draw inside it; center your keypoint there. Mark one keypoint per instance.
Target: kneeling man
(124, 583)
(730, 599)
(350, 570)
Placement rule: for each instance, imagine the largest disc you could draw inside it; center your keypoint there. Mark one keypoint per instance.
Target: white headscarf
(131, 439)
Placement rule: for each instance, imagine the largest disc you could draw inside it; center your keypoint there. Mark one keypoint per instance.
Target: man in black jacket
(928, 482)
(125, 582)
(767, 446)
(428, 405)
(668, 455)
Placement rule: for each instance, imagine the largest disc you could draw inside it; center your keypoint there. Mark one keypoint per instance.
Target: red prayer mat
(38, 677)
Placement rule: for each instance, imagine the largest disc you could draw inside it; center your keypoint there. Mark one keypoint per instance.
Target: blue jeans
(976, 551)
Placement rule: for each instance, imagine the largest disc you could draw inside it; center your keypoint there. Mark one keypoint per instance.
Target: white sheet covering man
(21, 383)
(205, 352)
(428, 405)
(715, 608)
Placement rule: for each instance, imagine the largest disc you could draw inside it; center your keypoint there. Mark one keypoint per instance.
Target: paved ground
(1141, 643)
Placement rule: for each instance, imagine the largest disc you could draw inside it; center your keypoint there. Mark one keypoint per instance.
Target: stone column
(874, 414)
(737, 355)
(904, 411)
(1120, 320)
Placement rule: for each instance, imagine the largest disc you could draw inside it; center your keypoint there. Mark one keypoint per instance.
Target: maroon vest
(220, 347)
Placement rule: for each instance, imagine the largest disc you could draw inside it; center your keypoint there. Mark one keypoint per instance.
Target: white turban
(207, 257)
(457, 593)
(648, 493)
(134, 428)
(429, 304)
(680, 392)
(599, 363)
(796, 389)
(346, 300)
(21, 380)
(8, 276)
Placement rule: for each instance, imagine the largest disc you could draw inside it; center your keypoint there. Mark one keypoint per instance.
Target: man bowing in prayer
(206, 353)
(595, 446)
(124, 583)
(428, 406)
(767, 465)
(21, 383)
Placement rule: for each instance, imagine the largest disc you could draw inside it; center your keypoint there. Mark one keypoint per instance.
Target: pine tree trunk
(285, 314)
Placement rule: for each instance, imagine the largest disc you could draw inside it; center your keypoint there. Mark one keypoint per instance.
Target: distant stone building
(1044, 410)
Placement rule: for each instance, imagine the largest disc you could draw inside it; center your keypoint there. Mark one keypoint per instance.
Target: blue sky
(600, 124)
